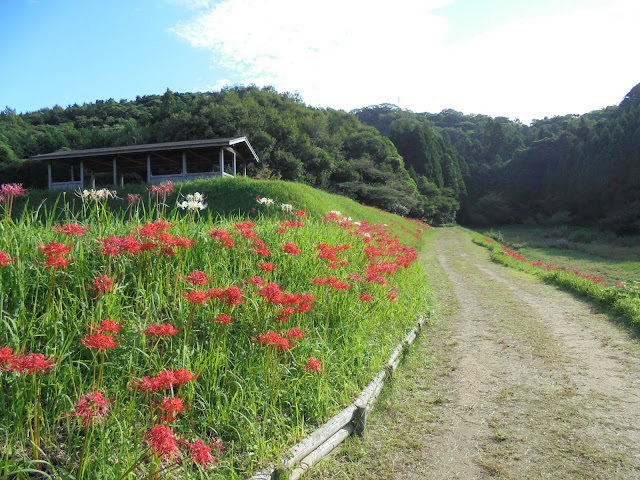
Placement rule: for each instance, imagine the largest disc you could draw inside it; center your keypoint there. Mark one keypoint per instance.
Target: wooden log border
(352, 420)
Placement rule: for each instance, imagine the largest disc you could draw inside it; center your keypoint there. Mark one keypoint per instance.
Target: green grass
(622, 298)
(256, 399)
(604, 255)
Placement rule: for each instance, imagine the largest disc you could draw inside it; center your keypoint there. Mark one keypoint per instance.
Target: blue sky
(522, 59)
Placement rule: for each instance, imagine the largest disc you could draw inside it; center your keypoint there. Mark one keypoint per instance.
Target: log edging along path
(352, 420)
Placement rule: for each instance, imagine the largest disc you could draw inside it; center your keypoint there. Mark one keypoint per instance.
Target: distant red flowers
(164, 380)
(70, 229)
(291, 249)
(102, 284)
(161, 330)
(313, 365)
(163, 442)
(29, 364)
(5, 259)
(99, 342)
(272, 339)
(90, 407)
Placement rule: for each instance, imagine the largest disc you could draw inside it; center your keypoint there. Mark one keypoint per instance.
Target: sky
(522, 59)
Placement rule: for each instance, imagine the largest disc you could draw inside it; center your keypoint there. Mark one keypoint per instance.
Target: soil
(513, 379)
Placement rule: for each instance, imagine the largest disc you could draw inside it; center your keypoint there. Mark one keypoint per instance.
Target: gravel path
(515, 379)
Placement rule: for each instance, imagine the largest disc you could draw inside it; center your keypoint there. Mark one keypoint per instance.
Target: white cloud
(349, 54)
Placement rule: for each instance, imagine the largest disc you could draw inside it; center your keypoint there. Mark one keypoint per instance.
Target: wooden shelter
(152, 163)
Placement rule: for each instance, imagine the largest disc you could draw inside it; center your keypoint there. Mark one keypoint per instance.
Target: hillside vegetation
(439, 167)
(145, 337)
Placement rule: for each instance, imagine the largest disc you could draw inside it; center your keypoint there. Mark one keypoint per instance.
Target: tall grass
(259, 356)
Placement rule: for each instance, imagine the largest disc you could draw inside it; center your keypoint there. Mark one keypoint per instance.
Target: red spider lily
(153, 230)
(13, 189)
(266, 266)
(133, 198)
(172, 406)
(162, 441)
(272, 339)
(107, 326)
(5, 260)
(223, 318)
(90, 407)
(222, 236)
(115, 246)
(162, 330)
(102, 284)
(196, 278)
(201, 453)
(355, 277)
(365, 297)
(393, 294)
(313, 365)
(164, 380)
(55, 248)
(99, 342)
(164, 189)
(56, 262)
(291, 224)
(296, 333)
(291, 249)
(6, 357)
(30, 364)
(271, 293)
(232, 295)
(70, 229)
(196, 297)
(300, 213)
(256, 280)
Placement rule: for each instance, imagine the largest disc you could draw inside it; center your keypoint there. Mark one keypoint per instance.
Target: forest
(439, 167)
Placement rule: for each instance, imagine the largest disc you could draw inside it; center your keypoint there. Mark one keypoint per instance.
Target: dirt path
(515, 379)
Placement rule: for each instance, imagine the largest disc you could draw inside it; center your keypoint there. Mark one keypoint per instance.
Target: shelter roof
(240, 144)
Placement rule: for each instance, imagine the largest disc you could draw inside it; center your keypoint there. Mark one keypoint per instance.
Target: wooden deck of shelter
(152, 163)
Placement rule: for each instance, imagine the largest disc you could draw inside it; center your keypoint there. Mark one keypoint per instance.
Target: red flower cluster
(5, 260)
(172, 406)
(331, 282)
(90, 407)
(70, 229)
(13, 190)
(99, 342)
(272, 339)
(164, 380)
(102, 284)
(313, 365)
(55, 253)
(196, 278)
(222, 236)
(291, 249)
(29, 364)
(163, 442)
(162, 330)
(266, 266)
(223, 318)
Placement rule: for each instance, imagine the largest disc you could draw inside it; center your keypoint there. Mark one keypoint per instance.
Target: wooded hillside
(443, 167)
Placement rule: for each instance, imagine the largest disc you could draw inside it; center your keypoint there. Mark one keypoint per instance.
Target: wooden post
(244, 167)
(81, 174)
(234, 163)
(148, 168)
(73, 179)
(184, 165)
(49, 174)
(222, 162)
(115, 173)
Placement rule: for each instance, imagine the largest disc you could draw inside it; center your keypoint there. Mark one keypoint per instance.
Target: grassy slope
(238, 196)
(229, 201)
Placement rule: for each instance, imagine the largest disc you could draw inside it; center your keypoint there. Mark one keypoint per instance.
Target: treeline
(580, 169)
(325, 148)
(443, 167)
